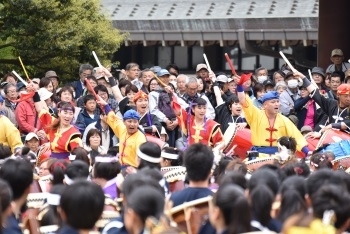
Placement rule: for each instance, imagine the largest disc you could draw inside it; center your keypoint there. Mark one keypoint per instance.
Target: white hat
(222, 78)
(44, 94)
(30, 136)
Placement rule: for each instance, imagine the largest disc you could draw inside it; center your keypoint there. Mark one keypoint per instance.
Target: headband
(106, 159)
(169, 155)
(53, 199)
(147, 157)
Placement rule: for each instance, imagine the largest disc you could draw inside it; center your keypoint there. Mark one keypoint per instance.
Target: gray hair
(9, 85)
(183, 76)
(191, 80)
(259, 69)
(85, 67)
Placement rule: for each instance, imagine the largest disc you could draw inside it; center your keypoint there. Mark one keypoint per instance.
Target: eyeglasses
(11, 91)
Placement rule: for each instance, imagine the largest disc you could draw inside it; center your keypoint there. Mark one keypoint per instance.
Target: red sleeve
(217, 136)
(46, 119)
(75, 142)
(182, 119)
(21, 118)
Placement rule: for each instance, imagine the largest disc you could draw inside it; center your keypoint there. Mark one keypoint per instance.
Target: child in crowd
(88, 114)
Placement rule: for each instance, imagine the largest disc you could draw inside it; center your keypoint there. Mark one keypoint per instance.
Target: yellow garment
(128, 144)
(9, 134)
(258, 123)
(316, 227)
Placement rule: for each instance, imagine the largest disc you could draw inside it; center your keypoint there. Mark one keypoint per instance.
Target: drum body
(329, 136)
(341, 163)
(241, 138)
(255, 164)
(175, 178)
(191, 215)
(156, 140)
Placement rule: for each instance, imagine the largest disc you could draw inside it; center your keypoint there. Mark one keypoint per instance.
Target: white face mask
(261, 79)
(292, 83)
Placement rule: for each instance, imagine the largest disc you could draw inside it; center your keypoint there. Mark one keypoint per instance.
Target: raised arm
(306, 83)
(115, 89)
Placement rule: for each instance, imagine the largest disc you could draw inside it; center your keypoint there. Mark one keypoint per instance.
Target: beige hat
(50, 74)
(338, 52)
(306, 128)
(201, 66)
(44, 94)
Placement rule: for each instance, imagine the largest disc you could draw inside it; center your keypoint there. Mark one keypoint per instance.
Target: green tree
(55, 35)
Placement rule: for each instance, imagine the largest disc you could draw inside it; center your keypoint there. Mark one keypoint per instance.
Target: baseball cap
(338, 52)
(50, 74)
(155, 69)
(201, 66)
(163, 72)
(268, 82)
(222, 78)
(19, 86)
(318, 70)
(306, 128)
(30, 136)
(44, 94)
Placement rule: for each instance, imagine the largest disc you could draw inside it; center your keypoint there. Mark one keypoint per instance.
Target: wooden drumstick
(96, 59)
(159, 80)
(20, 78)
(287, 62)
(312, 79)
(24, 69)
(206, 62)
(233, 70)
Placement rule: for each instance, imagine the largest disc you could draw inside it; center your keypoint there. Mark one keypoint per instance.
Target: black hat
(268, 82)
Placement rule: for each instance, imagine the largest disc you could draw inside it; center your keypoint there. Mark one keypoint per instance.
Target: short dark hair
(266, 177)
(130, 88)
(146, 201)
(125, 82)
(234, 207)
(45, 81)
(77, 170)
(88, 97)
(92, 132)
(151, 149)
(5, 151)
(173, 66)
(258, 88)
(81, 154)
(5, 195)
(332, 197)
(82, 203)
(105, 170)
(57, 170)
(198, 160)
(19, 175)
(90, 78)
(338, 74)
(101, 88)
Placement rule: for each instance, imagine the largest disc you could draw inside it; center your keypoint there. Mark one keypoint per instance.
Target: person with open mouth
(267, 125)
(64, 137)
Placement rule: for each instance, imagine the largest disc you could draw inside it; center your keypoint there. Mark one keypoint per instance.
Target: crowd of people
(151, 140)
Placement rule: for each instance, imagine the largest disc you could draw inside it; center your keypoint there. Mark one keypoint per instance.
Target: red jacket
(25, 116)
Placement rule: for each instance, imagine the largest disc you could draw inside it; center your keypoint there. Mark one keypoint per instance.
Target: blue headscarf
(131, 114)
(269, 96)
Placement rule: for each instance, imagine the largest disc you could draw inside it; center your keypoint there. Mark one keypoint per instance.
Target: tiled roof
(119, 10)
